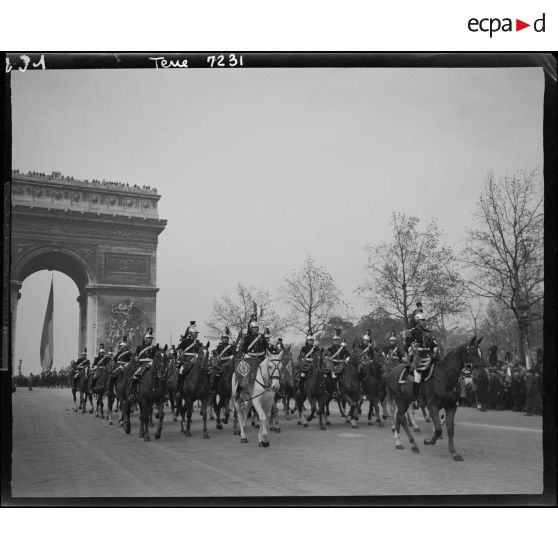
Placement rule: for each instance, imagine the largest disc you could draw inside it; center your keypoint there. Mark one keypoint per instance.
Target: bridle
(268, 386)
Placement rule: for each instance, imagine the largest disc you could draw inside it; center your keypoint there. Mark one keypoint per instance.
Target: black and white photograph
(242, 276)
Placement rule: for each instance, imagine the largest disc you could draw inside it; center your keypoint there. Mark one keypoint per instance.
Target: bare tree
(235, 311)
(505, 248)
(312, 297)
(413, 266)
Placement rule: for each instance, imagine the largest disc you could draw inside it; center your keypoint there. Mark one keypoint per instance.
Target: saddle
(425, 365)
(246, 370)
(331, 366)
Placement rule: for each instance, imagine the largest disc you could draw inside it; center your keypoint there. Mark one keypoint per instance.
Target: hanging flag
(47, 338)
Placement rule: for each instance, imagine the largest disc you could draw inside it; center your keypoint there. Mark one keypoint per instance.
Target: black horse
(314, 390)
(349, 388)
(151, 392)
(220, 400)
(122, 387)
(440, 391)
(195, 386)
(99, 387)
(373, 385)
(172, 386)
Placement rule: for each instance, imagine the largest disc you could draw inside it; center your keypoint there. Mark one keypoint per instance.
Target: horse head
(272, 366)
(160, 361)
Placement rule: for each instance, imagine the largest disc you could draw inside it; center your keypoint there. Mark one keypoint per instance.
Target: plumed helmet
(419, 305)
(84, 353)
(123, 343)
(191, 329)
(227, 333)
(366, 336)
(149, 333)
(310, 336)
(253, 321)
(101, 348)
(279, 340)
(267, 333)
(110, 351)
(337, 336)
(420, 316)
(392, 338)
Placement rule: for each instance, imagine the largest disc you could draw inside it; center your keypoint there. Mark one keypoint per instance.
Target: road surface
(60, 453)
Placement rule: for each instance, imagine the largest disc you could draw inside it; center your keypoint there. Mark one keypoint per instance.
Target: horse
(258, 395)
(315, 391)
(122, 388)
(286, 384)
(195, 386)
(100, 388)
(83, 383)
(172, 386)
(441, 391)
(370, 372)
(349, 388)
(223, 390)
(151, 391)
(75, 385)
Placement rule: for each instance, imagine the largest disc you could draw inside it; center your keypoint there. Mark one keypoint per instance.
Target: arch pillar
(15, 295)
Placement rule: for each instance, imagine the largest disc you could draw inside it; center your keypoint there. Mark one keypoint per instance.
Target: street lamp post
(523, 313)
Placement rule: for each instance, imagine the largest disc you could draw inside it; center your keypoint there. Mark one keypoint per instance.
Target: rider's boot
(213, 383)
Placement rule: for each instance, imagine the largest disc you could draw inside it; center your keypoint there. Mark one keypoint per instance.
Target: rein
(267, 387)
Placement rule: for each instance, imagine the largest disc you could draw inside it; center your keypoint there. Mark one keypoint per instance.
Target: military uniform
(122, 357)
(223, 354)
(82, 363)
(254, 345)
(306, 358)
(394, 355)
(145, 353)
(427, 347)
(100, 360)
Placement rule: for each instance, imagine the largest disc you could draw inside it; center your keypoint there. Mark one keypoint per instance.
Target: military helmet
(110, 351)
(337, 336)
(392, 338)
(366, 336)
(253, 322)
(123, 343)
(227, 333)
(191, 329)
(309, 336)
(149, 333)
(101, 348)
(419, 316)
(267, 333)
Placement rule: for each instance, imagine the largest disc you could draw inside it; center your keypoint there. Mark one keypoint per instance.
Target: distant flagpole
(47, 338)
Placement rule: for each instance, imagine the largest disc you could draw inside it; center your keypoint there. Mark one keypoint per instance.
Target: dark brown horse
(315, 391)
(75, 378)
(441, 391)
(98, 390)
(151, 392)
(122, 387)
(286, 386)
(195, 386)
(349, 388)
(220, 400)
(172, 386)
(373, 385)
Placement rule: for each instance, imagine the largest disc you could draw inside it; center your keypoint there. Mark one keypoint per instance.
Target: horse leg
(110, 403)
(412, 419)
(204, 418)
(189, 409)
(126, 416)
(352, 412)
(378, 413)
(402, 420)
(240, 419)
(437, 427)
(226, 405)
(450, 423)
(321, 411)
(217, 409)
(262, 408)
(161, 415)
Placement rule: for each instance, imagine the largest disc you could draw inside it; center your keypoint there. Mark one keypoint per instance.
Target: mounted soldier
(306, 358)
(82, 363)
(392, 353)
(424, 348)
(223, 355)
(100, 360)
(338, 355)
(188, 350)
(366, 345)
(122, 357)
(279, 345)
(412, 325)
(254, 346)
(144, 355)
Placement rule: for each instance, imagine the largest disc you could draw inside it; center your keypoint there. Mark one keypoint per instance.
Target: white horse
(259, 394)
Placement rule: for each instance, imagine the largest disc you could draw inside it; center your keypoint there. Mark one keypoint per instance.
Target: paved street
(57, 452)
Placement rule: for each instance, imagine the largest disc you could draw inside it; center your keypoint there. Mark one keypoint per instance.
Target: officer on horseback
(412, 325)
(189, 347)
(254, 345)
(122, 357)
(365, 344)
(223, 355)
(100, 360)
(392, 352)
(338, 355)
(279, 345)
(82, 363)
(306, 358)
(145, 353)
(424, 348)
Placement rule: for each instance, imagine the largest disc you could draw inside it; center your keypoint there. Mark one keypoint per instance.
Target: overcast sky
(258, 167)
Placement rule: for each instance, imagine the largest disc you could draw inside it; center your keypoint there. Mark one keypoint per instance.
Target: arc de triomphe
(101, 234)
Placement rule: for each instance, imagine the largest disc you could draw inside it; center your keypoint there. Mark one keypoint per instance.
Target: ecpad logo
(494, 24)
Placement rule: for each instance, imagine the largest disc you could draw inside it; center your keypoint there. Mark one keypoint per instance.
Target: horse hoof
(75, 410)
(457, 457)
(211, 418)
(96, 415)
(347, 421)
(127, 430)
(188, 434)
(427, 442)
(243, 440)
(355, 426)
(415, 449)
(260, 444)
(306, 425)
(416, 429)
(157, 435)
(206, 436)
(381, 425)
(299, 422)
(265, 444)
(370, 423)
(173, 419)
(428, 419)
(147, 439)
(322, 427)
(225, 420)
(219, 426)
(236, 433)
(399, 446)
(384, 417)
(90, 411)
(278, 430)
(287, 417)
(157, 416)
(110, 422)
(328, 423)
